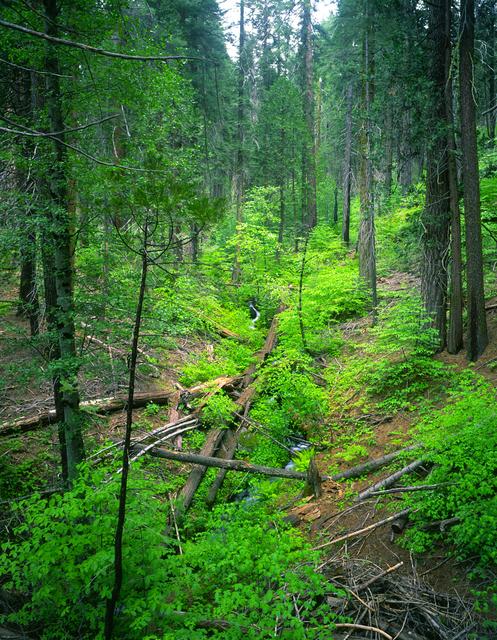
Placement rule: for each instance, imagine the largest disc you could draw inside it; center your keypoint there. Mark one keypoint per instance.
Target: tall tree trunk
(366, 241)
(455, 332)
(61, 242)
(405, 154)
(347, 167)
(436, 215)
(240, 156)
(309, 205)
(53, 346)
(477, 321)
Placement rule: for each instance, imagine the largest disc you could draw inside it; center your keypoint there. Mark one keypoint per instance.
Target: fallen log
(418, 487)
(389, 481)
(372, 465)
(231, 436)
(220, 463)
(211, 445)
(99, 405)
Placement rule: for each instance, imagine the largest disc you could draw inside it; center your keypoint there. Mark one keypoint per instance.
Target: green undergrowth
(246, 567)
(460, 440)
(393, 369)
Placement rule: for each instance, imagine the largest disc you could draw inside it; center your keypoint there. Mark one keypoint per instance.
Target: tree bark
(220, 463)
(62, 244)
(477, 321)
(240, 155)
(436, 217)
(118, 541)
(367, 241)
(455, 332)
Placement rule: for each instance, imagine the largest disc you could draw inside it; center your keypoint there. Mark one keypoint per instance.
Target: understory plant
(461, 442)
(244, 576)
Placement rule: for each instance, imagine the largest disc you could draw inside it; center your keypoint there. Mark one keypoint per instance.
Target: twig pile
(383, 604)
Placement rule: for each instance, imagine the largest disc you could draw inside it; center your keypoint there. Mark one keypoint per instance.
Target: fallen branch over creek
(221, 463)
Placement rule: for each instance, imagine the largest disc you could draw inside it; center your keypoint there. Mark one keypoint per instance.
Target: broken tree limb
(360, 532)
(99, 405)
(390, 480)
(372, 465)
(313, 480)
(220, 463)
(374, 579)
(419, 487)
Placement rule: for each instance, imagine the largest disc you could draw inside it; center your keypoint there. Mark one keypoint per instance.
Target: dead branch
(389, 481)
(419, 487)
(360, 532)
(363, 627)
(374, 579)
(372, 465)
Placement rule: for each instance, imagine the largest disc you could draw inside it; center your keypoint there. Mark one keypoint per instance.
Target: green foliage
(63, 550)
(461, 441)
(152, 409)
(287, 378)
(397, 367)
(246, 568)
(353, 453)
(398, 228)
(250, 573)
(331, 293)
(228, 359)
(303, 458)
(218, 410)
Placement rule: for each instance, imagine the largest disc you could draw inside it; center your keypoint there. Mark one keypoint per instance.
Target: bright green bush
(218, 410)
(287, 377)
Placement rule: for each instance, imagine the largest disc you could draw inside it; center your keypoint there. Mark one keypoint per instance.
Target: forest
(248, 319)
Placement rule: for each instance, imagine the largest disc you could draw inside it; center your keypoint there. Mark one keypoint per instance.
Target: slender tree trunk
(367, 242)
(347, 167)
(121, 518)
(309, 205)
(436, 216)
(455, 332)
(240, 156)
(477, 320)
(335, 204)
(29, 306)
(62, 250)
